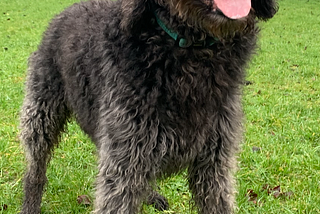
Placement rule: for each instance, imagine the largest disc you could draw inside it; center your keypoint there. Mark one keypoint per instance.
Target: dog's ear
(264, 9)
(132, 14)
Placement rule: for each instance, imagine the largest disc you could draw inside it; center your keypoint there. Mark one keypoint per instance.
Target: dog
(156, 85)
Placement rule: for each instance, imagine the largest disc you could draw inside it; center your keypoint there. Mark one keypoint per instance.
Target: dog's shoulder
(87, 18)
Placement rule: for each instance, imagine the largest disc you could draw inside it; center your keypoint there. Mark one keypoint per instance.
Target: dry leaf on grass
(3, 207)
(84, 199)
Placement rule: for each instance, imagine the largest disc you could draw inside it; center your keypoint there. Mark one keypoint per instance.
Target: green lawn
(282, 107)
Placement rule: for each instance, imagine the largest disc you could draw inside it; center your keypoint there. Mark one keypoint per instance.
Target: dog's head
(219, 18)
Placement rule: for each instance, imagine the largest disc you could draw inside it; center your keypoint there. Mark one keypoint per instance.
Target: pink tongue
(234, 9)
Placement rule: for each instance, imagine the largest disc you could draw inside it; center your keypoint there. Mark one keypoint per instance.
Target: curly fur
(151, 107)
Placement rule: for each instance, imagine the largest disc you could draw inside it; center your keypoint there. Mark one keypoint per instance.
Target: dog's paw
(158, 201)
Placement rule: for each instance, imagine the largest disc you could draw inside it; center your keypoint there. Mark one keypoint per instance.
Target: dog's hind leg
(43, 117)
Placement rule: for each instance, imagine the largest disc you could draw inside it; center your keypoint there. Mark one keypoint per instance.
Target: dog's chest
(187, 102)
(184, 88)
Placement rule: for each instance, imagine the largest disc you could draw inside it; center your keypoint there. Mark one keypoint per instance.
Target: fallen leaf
(277, 194)
(289, 194)
(84, 199)
(3, 207)
(273, 190)
(247, 82)
(256, 149)
(266, 187)
(276, 191)
(252, 196)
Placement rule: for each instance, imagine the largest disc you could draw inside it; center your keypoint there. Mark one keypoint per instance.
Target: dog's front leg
(120, 189)
(211, 174)
(127, 163)
(211, 183)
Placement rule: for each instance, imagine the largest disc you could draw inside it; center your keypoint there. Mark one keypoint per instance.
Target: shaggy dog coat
(152, 108)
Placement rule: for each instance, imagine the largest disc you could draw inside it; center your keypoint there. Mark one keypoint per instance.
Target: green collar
(182, 41)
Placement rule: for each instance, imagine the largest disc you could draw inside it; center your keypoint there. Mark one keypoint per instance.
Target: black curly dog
(156, 84)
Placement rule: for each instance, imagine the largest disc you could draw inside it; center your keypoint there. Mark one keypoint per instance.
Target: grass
(281, 145)
(282, 111)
